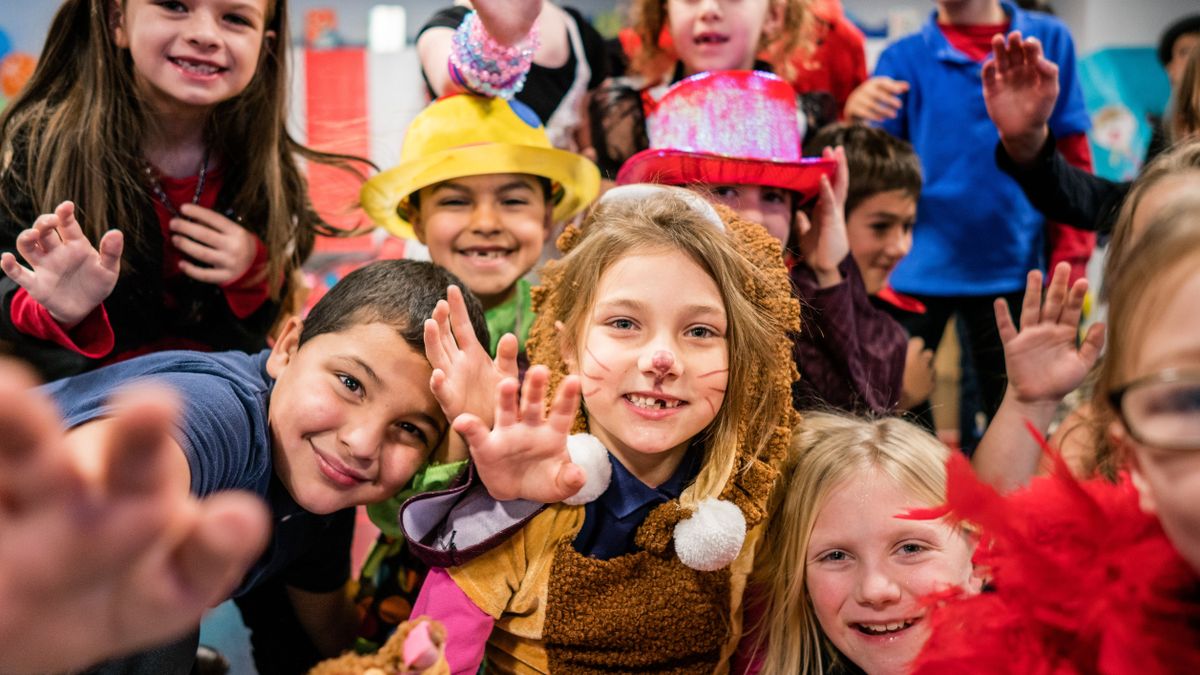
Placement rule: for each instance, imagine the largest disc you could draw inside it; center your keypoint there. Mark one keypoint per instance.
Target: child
(850, 354)
(685, 400)
(706, 36)
(1085, 581)
(561, 58)
(339, 413)
(968, 250)
(843, 577)
(166, 121)
(480, 185)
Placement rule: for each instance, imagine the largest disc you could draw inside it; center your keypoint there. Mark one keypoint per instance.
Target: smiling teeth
(652, 403)
(884, 628)
(486, 255)
(201, 68)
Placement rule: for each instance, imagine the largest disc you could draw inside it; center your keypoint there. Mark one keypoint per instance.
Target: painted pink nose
(663, 360)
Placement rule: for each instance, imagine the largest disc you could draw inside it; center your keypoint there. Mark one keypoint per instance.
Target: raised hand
(1044, 363)
(66, 274)
(224, 249)
(1020, 88)
(876, 100)
(102, 550)
(508, 21)
(919, 375)
(524, 454)
(464, 376)
(823, 242)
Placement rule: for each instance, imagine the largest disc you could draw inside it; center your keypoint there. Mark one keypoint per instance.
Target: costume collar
(626, 494)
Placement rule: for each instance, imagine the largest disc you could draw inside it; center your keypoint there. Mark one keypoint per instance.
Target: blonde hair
(828, 449)
(1182, 159)
(1168, 250)
(758, 391)
(652, 61)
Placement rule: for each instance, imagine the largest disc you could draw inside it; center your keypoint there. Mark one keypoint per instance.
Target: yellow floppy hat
(467, 135)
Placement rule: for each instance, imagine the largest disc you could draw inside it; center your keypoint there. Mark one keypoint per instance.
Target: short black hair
(399, 293)
(878, 161)
(1182, 26)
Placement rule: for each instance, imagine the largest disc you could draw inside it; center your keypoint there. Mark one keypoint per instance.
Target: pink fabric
(467, 626)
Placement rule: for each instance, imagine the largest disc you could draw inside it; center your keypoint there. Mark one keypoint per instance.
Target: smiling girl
(843, 577)
(163, 123)
(684, 412)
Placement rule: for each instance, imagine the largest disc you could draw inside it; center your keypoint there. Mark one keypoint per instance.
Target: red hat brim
(678, 167)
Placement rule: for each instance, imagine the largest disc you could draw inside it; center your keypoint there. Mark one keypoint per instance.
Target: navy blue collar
(626, 495)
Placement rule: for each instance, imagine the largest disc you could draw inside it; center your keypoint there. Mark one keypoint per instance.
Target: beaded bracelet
(480, 64)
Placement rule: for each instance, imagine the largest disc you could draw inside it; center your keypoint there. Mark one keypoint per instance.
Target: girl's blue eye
(701, 332)
(834, 556)
(350, 383)
(621, 324)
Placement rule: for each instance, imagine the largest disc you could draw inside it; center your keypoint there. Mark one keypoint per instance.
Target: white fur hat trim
(712, 536)
(590, 455)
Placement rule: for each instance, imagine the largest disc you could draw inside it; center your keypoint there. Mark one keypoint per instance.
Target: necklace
(157, 187)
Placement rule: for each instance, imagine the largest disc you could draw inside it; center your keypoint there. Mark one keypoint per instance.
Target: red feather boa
(1082, 582)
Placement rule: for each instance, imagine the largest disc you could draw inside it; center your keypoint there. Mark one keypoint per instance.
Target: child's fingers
(435, 350)
(441, 314)
(1092, 345)
(198, 232)
(1004, 322)
(34, 464)
(841, 179)
(1073, 310)
(1031, 307)
(15, 271)
(801, 226)
(1056, 294)
(569, 480)
(437, 381)
(28, 247)
(198, 251)
(460, 319)
(205, 218)
(68, 225)
(204, 274)
(506, 402)
(139, 445)
(565, 404)
(533, 398)
(506, 356)
(473, 430)
(1016, 51)
(112, 244)
(46, 228)
(230, 532)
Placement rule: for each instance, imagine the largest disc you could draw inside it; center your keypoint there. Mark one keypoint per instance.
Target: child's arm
(224, 253)
(102, 550)
(875, 100)
(1044, 364)
(69, 277)
(508, 22)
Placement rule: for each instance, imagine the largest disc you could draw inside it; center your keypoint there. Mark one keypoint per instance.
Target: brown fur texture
(389, 660)
(634, 613)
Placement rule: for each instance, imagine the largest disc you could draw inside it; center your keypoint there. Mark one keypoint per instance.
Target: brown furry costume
(559, 611)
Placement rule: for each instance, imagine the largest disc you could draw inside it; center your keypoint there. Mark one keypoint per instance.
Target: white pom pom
(712, 537)
(590, 455)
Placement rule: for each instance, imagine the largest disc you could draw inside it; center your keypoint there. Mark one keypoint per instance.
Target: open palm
(67, 275)
(1020, 87)
(524, 455)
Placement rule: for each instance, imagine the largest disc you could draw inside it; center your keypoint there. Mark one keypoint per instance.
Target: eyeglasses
(1162, 410)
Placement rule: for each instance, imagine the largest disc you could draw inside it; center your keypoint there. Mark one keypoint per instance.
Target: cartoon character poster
(1123, 88)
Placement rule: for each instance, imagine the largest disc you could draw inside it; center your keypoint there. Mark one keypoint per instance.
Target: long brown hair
(75, 132)
(650, 16)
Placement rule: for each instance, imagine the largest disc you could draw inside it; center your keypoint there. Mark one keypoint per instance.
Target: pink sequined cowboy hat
(733, 127)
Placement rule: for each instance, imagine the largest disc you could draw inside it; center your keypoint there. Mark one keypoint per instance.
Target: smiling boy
(339, 413)
(480, 185)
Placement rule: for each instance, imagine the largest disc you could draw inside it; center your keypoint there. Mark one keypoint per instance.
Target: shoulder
(449, 17)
